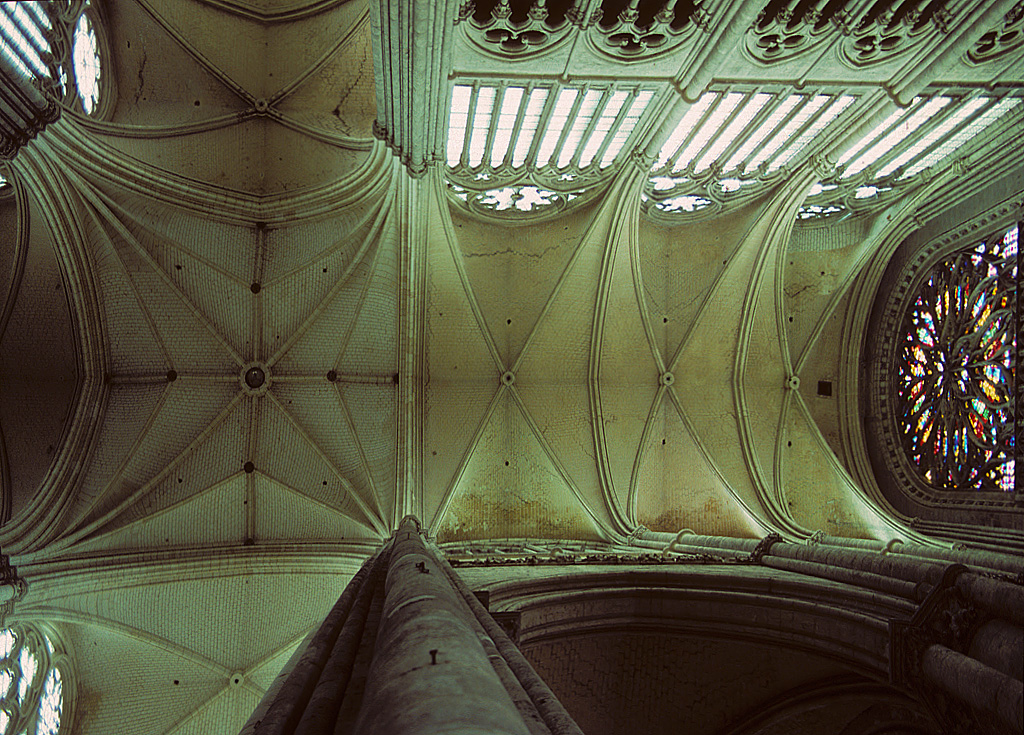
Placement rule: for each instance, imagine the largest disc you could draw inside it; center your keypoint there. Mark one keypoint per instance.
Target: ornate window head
(33, 683)
(953, 377)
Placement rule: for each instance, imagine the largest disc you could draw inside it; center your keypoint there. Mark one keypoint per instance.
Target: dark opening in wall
(824, 387)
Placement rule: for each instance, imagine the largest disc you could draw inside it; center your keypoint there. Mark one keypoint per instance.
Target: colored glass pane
(955, 370)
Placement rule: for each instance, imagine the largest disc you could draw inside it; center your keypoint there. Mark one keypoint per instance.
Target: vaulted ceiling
(563, 378)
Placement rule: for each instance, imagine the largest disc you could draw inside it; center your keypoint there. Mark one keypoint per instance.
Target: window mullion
(796, 134)
(940, 119)
(627, 105)
(554, 93)
(15, 47)
(499, 99)
(570, 120)
(517, 127)
(752, 125)
(894, 152)
(764, 115)
(723, 126)
(470, 116)
(606, 99)
(24, 21)
(903, 119)
(697, 128)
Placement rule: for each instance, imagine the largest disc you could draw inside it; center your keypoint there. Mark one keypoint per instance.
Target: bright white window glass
(750, 108)
(936, 133)
(626, 128)
(5, 720)
(50, 704)
(834, 110)
(664, 183)
(557, 123)
(800, 117)
(458, 118)
(481, 125)
(510, 102)
(877, 132)
(41, 17)
(29, 25)
(686, 203)
(528, 130)
(86, 59)
(967, 133)
(684, 128)
(896, 136)
(765, 129)
(603, 127)
(17, 47)
(579, 126)
(819, 188)
(707, 129)
(28, 664)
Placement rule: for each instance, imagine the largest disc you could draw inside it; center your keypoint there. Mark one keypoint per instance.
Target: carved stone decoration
(1002, 40)
(788, 28)
(889, 27)
(638, 28)
(516, 200)
(12, 587)
(515, 28)
(945, 617)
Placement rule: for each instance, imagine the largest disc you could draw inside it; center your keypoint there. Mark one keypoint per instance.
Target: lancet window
(519, 148)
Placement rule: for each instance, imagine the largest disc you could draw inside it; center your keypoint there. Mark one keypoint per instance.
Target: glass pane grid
(496, 126)
(22, 40)
(626, 127)
(911, 140)
(31, 687)
(896, 135)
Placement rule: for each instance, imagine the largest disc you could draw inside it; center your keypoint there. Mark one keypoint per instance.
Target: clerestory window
(910, 141)
(522, 148)
(733, 142)
(32, 35)
(32, 683)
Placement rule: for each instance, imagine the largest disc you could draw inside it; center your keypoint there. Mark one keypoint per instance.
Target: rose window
(955, 370)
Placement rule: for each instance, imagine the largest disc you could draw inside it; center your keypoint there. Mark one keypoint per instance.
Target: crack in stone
(512, 251)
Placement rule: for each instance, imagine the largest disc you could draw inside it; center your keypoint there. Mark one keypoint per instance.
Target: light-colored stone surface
(238, 150)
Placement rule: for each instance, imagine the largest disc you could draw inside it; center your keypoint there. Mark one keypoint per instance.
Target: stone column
(408, 650)
(430, 673)
(412, 59)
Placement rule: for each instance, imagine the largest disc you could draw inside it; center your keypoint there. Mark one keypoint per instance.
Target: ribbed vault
(267, 342)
